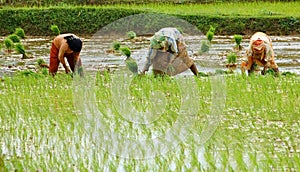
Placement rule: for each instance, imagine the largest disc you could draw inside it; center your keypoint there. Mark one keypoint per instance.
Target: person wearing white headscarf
(168, 53)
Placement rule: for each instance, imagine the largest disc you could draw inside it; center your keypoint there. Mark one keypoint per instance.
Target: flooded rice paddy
(263, 136)
(95, 57)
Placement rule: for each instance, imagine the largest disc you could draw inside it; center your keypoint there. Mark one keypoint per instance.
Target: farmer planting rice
(168, 53)
(260, 51)
(69, 46)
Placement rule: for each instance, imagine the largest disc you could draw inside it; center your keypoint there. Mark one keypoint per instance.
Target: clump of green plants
(209, 36)
(271, 72)
(231, 61)
(19, 48)
(55, 30)
(15, 38)
(41, 63)
(288, 74)
(116, 45)
(131, 63)
(231, 58)
(9, 44)
(126, 51)
(131, 34)
(20, 32)
(220, 72)
(210, 33)
(28, 73)
(202, 74)
(206, 44)
(238, 40)
(44, 71)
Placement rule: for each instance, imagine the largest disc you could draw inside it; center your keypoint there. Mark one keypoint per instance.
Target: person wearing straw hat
(69, 46)
(168, 54)
(260, 52)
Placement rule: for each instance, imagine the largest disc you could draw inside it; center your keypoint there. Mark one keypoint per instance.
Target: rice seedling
(231, 58)
(131, 63)
(9, 44)
(20, 32)
(55, 30)
(231, 61)
(126, 51)
(19, 48)
(131, 34)
(209, 36)
(238, 40)
(205, 45)
(40, 61)
(210, 33)
(116, 45)
(42, 129)
(15, 38)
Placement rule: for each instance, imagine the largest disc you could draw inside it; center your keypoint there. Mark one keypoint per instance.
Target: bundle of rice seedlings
(54, 28)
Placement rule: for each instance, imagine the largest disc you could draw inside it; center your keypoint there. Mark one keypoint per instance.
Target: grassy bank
(42, 127)
(246, 9)
(228, 18)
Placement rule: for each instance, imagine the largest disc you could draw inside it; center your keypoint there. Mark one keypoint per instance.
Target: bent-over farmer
(260, 51)
(69, 46)
(168, 53)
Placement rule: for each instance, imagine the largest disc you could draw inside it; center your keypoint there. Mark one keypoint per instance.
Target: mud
(95, 57)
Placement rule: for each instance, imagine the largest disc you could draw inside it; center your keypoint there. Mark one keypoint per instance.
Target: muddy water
(95, 57)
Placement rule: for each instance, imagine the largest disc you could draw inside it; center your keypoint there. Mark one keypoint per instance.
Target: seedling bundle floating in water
(205, 44)
(238, 40)
(15, 38)
(131, 34)
(20, 32)
(9, 44)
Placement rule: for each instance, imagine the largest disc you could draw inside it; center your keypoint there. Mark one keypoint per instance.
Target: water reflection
(94, 56)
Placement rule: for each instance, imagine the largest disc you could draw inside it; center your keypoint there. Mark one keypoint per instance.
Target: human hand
(67, 70)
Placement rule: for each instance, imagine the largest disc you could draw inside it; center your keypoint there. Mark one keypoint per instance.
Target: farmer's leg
(194, 69)
(54, 61)
(183, 54)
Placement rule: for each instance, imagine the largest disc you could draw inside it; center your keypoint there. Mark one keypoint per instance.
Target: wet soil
(95, 57)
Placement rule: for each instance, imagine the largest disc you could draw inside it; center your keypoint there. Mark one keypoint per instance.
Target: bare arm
(61, 58)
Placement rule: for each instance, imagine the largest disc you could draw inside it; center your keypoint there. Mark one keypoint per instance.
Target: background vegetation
(101, 2)
(227, 18)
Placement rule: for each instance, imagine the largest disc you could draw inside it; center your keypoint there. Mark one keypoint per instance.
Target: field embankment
(228, 18)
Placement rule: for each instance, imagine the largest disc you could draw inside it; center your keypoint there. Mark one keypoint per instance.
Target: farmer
(168, 54)
(260, 51)
(69, 46)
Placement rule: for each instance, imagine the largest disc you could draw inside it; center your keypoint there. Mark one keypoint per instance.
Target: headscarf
(166, 38)
(260, 43)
